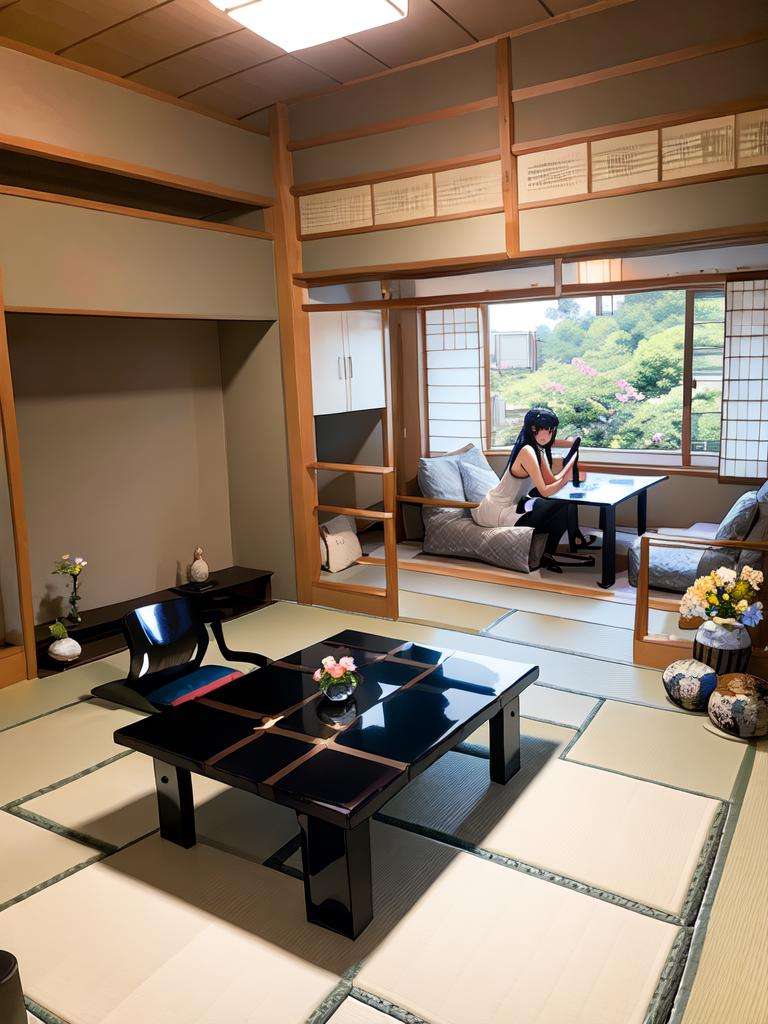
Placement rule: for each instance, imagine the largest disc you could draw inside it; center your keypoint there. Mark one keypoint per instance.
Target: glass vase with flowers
(337, 679)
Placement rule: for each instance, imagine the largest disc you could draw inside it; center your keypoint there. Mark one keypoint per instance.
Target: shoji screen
(744, 438)
(455, 372)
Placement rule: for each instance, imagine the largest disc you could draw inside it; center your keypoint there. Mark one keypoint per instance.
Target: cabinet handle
(339, 364)
(351, 374)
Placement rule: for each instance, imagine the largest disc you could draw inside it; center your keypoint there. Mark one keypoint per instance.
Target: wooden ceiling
(189, 49)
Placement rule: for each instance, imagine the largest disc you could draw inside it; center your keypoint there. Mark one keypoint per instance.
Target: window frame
(682, 460)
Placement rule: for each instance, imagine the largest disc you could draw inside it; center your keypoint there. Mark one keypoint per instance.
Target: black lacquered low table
(273, 733)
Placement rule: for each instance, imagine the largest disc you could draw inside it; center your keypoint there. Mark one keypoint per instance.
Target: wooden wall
(642, 65)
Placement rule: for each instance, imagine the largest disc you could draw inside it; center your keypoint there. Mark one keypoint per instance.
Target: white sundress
(499, 506)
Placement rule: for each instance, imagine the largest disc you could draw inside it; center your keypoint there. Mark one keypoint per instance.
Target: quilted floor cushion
(195, 684)
(509, 547)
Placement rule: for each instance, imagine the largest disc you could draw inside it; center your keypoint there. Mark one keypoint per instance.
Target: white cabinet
(347, 351)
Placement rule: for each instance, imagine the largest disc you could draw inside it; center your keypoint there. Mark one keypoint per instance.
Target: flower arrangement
(72, 566)
(337, 679)
(725, 597)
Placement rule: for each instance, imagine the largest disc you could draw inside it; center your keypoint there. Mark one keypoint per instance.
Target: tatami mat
(488, 945)
(539, 743)
(730, 984)
(559, 706)
(30, 855)
(589, 825)
(275, 631)
(352, 1011)
(565, 635)
(52, 748)
(674, 748)
(117, 804)
(157, 933)
(446, 611)
(600, 609)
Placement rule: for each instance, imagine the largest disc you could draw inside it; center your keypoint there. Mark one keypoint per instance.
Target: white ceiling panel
(207, 63)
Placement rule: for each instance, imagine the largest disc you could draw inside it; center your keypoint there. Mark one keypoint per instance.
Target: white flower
(725, 576)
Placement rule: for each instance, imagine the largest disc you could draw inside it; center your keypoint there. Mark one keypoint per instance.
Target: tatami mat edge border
(702, 922)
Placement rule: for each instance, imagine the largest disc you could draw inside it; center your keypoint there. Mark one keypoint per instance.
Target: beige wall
(121, 426)
(257, 456)
(56, 256)
(350, 437)
(62, 107)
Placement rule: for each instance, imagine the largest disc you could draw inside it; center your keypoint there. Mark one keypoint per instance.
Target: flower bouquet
(69, 565)
(337, 679)
(727, 601)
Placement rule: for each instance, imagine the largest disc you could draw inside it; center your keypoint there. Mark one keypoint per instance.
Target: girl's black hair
(535, 419)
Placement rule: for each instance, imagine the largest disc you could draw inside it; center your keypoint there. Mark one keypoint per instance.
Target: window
(455, 377)
(612, 367)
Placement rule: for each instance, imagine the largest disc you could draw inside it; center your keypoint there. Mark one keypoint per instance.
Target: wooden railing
(658, 651)
(374, 600)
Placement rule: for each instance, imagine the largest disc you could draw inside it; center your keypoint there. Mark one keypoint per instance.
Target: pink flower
(657, 439)
(327, 662)
(622, 397)
(348, 664)
(583, 367)
(316, 674)
(335, 671)
(554, 386)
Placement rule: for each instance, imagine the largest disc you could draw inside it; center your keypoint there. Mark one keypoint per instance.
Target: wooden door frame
(19, 663)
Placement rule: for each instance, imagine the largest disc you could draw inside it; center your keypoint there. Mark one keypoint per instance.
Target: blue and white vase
(724, 648)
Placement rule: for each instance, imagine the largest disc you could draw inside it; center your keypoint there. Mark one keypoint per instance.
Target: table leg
(642, 513)
(505, 742)
(175, 804)
(337, 875)
(249, 657)
(608, 523)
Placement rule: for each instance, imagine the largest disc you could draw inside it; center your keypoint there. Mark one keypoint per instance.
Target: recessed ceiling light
(296, 24)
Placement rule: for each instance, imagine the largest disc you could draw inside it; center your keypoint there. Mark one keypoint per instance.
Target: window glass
(611, 367)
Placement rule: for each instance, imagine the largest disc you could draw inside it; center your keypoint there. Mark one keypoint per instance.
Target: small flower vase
(339, 690)
(723, 648)
(74, 599)
(65, 649)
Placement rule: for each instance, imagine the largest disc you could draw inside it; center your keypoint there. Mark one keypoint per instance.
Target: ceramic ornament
(199, 571)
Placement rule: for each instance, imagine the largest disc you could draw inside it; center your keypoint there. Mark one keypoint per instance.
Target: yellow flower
(712, 599)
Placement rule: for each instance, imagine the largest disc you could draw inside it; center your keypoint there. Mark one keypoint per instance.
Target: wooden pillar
(14, 668)
(506, 138)
(296, 360)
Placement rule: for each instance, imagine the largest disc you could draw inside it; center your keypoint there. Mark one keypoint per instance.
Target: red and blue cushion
(198, 683)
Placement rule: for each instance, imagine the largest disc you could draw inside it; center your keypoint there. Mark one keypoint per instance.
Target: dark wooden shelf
(237, 591)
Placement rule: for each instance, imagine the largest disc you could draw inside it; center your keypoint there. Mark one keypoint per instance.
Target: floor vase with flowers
(727, 601)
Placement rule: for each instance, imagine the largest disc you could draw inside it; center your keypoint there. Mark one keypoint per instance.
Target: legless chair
(167, 644)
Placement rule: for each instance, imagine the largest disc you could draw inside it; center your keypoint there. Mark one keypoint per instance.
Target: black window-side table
(272, 733)
(607, 491)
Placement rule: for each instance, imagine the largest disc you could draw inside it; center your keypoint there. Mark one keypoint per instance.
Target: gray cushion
(759, 531)
(439, 477)
(510, 547)
(736, 525)
(672, 569)
(477, 480)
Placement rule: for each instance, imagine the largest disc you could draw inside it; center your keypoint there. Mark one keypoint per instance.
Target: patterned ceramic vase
(724, 648)
(739, 705)
(689, 683)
